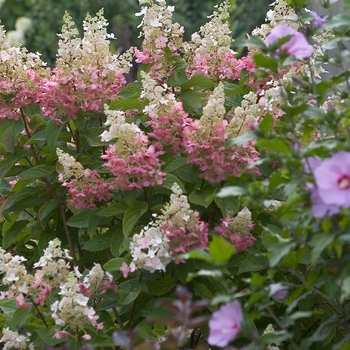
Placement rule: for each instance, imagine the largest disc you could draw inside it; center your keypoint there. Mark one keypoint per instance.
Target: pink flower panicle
(205, 142)
(237, 230)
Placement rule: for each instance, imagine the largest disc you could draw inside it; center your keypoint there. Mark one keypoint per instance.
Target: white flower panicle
(71, 168)
(214, 35)
(13, 340)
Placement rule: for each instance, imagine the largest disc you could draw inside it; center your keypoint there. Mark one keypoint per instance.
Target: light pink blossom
(333, 180)
(225, 324)
(296, 46)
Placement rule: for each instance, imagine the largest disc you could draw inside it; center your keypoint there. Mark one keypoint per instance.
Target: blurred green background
(47, 16)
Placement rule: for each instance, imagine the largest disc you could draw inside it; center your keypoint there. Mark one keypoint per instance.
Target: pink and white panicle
(84, 185)
(167, 116)
(159, 32)
(87, 74)
(177, 230)
(205, 142)
(210, 47)
(71, 310)
(237, 230)
(21, 75)
(132, 161)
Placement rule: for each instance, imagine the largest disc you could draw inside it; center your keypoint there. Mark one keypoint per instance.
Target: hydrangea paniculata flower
(133, 162)
(177, 230)
(205, 142)
(87, 74)
(225, 324)
(296, 45)
(237, 230)
(86, 187)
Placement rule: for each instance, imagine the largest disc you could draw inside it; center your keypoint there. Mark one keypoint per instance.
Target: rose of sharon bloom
(296, 46)
(225, 324)
(318, 21)
(333, 180)
(278, 290)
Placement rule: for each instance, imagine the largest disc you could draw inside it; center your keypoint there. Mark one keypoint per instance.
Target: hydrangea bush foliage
(203, 206)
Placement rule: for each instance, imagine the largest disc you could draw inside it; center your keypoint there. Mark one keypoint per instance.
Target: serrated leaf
(278, 251)
(113, 264)
(266, 62)
(178, 77)
(132, 215)
(197, 254)
(228, 205)
(81, 219)
(116, 240)
(37, 172)
(267, 123)
(47, 208)
(93, 136)
(127, 104)
(19, 318)
(169, 181)
(191, 102)
(98, 243)
(11, 234)
(52, 131)
(161, 287)
(220, 250)
(113, 209)
(275, 145)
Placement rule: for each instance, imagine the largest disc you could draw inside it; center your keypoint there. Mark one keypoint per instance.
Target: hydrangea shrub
(204, 205)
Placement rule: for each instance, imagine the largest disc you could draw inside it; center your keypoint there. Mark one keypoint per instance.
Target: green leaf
(47, 336)
(93, 136)
(204, 273)
(178, 77)
(228, 205)
(253, 41)
(47, 208)
(37, 172)
(197, 254)
(113, 209)
(242, 139)
(231, 191)
(113, 264)
(10, 129)
(191, 101)
(132, 215)
(169, 181)
(220, 250)
(199, 82)
(52, 131)
(81, 219)
(161, 287)
(8, 306)
(266, 62)
(325, 329)
(98, 243)
(129, 291)
(11, 234)
(116, 240)
(175, 164)
(199, 197)
(127, 104)
(19, 318)
(319, 242)
(8, 163)
(277, 145)
(267, 123)
(278, 251)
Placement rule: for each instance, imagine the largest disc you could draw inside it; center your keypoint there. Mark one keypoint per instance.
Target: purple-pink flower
(332, 178)
(225, 324)
(318, 21)
(296, 46)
